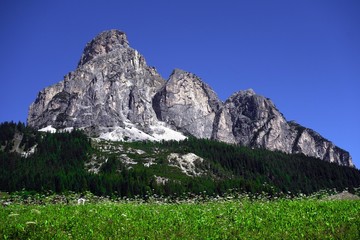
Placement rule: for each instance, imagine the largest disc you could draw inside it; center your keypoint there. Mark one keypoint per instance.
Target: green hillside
(73, 162)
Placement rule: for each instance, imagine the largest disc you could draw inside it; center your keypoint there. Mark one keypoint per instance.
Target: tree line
(58, 164)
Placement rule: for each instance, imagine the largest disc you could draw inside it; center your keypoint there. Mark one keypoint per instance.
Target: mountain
(108, 95)
(258, 123)
(113, 94)
(190, 105)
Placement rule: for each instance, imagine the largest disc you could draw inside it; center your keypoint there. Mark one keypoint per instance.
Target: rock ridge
(104, 43)
(113, 94)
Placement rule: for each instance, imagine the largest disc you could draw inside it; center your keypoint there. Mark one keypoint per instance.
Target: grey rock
(312, 144)
(190, 105)
(258, 123)
(112, 85)
(114, 91)
(102, 44)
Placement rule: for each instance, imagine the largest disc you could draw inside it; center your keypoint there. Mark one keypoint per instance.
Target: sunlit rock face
(258, 123)
(190, 105)
(113, 94)
(311, 143)
(111, 86)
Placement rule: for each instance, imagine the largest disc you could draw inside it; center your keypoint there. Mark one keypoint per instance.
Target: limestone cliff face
(258, 123)
(114, 93)
(311, 143)
(112, 85)
(190, 105)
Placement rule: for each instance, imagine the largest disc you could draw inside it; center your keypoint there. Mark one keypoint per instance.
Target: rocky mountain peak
(190, 105)
(257, 122)
(187, 94)
(179, 74)
(253, 105)
(114, 94)
(103, 43)
(248, 92)
(111, 88)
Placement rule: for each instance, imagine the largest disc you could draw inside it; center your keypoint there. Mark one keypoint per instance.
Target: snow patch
(161, 132)
(128, 133)
(68, 130)
(131, 133)
(49, 129)
(186, 163)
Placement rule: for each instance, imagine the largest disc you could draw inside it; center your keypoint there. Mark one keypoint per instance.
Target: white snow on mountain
(49, 129)
(132, 133)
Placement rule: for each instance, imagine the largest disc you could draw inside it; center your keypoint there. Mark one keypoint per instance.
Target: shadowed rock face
(114, 88)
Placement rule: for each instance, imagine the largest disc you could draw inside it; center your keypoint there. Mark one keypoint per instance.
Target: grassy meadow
(216, 218)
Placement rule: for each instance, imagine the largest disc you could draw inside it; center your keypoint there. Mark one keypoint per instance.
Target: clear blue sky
(303, 54)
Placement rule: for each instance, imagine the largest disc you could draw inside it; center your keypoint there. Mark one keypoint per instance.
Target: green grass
(233, 219)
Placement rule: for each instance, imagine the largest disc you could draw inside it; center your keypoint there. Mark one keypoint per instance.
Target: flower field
(217, 218)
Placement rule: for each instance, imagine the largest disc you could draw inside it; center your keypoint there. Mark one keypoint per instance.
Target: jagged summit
(112, 87)
(178, 73)
(113, 94)
(190, 105)
(248, 92)
(103, 43)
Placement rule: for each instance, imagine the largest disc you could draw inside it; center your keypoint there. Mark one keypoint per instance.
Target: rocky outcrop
(311, 143)
(190, 105)
(114, 94)
(111, 86)
(258, 123)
